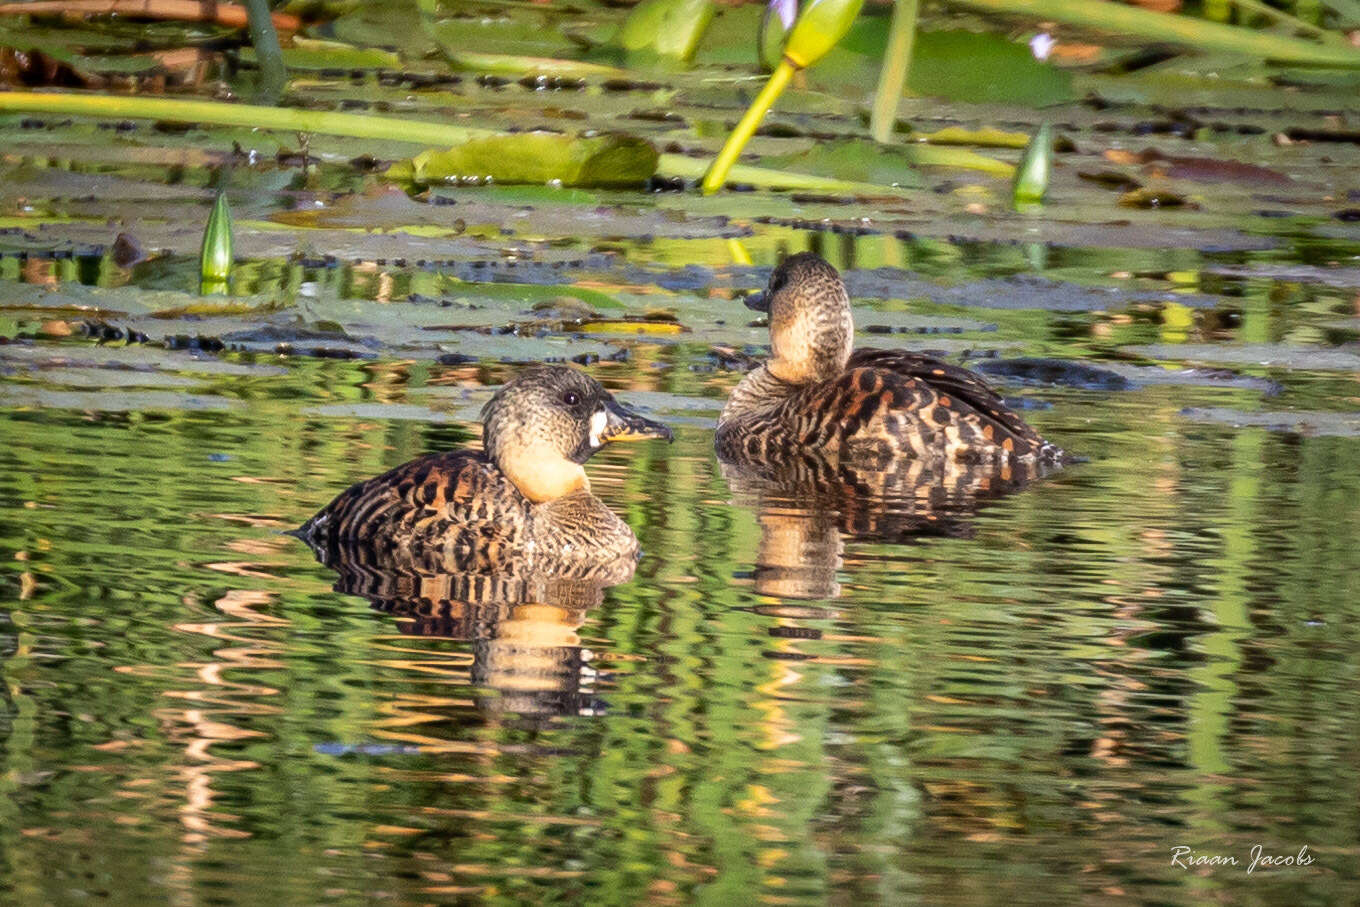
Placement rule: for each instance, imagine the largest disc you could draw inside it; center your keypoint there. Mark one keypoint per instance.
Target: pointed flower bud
(1035, 167)
(820, 25)
(215, 257)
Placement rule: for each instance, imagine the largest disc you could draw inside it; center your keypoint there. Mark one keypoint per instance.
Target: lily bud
(215, 257)
(820, 25)
(775, 26)
(1035, 167)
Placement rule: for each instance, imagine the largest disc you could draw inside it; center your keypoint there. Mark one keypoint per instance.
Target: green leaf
(980, 69)
(512, 65)
(859, 161)
(536, 157)
(307, 53)
(668, 28)
(767, 178)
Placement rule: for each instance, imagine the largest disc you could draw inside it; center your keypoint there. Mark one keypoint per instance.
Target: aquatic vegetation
(804, 690)
(1035, 168)
(215, 256)
(820, 24)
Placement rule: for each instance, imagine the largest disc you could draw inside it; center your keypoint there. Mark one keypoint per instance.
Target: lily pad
(536, 157)
(1344, 425)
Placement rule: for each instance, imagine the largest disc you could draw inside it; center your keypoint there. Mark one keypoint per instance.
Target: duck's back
(887, 405)
(456, 507)
(975, 421)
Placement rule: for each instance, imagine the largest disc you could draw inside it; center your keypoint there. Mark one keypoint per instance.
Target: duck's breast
(579, 529)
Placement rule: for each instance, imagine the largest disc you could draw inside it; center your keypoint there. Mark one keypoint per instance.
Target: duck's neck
(541, 474)
(757, 393)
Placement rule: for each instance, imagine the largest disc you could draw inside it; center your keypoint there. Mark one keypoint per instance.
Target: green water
(1037, 698)
(1152, 649)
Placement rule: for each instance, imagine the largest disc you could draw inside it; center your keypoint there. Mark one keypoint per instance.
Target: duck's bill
(621, 424)
(758, 302)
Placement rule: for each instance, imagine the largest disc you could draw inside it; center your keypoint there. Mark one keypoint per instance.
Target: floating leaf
(310, 53)
(512, 65)
(767, 178)
(536, 157)
(986, 137)
(857, 161)
(630, 326)
(215, 256)
(962, 158)
(1203, 169)
(1152, 198)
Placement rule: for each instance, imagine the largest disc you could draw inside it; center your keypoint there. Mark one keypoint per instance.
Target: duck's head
(541, 426)
(811, 330)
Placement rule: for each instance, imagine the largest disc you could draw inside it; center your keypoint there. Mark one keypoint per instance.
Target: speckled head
(542, 425)
(811, 329)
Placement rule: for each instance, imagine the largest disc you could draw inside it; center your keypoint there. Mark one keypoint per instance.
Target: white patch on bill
(597, 424)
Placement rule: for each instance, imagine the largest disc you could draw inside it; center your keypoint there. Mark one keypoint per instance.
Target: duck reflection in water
(504, 547)
(526, 652)
(872, 444)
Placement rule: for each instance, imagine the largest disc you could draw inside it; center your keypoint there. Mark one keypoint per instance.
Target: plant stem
(1283, 18)
(892, 78)
(273, 75)
(219, 113)
(716, 177)
(1199, 34)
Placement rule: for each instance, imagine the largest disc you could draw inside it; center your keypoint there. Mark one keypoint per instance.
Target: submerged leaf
(536, 157)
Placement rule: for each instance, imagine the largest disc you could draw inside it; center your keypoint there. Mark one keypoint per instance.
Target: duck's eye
(571, 398)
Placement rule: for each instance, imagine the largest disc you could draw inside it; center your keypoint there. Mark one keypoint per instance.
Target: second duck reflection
(507, 546)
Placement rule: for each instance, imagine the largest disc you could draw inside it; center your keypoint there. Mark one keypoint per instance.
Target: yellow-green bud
(1035, 167)
(215, 257)
(821, 24)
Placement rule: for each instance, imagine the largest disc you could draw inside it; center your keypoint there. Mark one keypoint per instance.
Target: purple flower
(787, 10)
(1041, 45)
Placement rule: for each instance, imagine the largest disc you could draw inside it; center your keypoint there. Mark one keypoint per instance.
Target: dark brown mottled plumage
(867, 407)
(521, 506)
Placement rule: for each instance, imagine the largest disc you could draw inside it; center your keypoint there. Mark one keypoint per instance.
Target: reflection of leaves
(536, 157)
